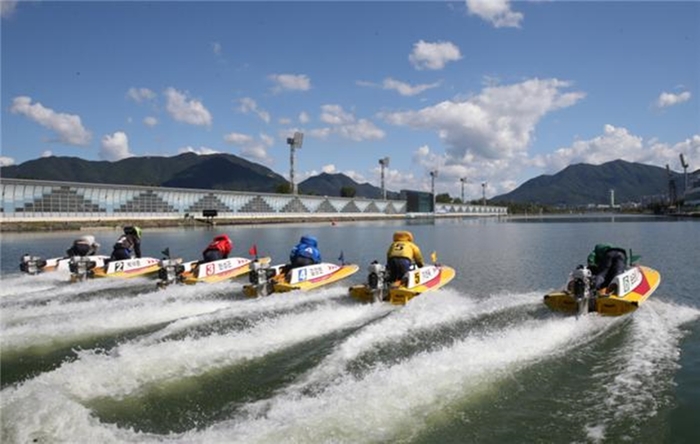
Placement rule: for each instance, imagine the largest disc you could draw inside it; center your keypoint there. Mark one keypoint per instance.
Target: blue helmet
(309, 240)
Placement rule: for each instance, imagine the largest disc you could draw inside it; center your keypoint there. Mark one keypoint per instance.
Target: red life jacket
(221, 243)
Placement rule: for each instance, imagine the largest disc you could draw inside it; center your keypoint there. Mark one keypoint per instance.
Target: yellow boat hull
(401, 295)
(609, 304)
(128, 268)
(344, 271)
(218, 271)
(303, 278)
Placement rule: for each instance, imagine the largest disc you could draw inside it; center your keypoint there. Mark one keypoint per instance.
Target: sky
(486, 94)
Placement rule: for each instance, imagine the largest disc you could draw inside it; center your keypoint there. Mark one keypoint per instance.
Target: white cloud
(359, 131)
(249, 105)
(7, 8)
(115, 146)
(186, 110)
(614, 143)
(290, 82)
(251, 148)
(406, 89)
(150, 121)
(335, 115)
(304, 117)
(216, 48)
(346, 125)
(69, 127)
(496, 12)
(618, 143)
(6, 161)
(328, 169)
(47, 153)
(237, 139)
(669, 99)
(201, 151)
(320, 133)
(497, 123)
(433, 55)
(140, 94)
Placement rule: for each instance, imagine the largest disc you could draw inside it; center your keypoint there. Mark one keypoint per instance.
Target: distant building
(418, 201)
(691, 196)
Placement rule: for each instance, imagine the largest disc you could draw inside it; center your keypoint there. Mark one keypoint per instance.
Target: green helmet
(133, 230)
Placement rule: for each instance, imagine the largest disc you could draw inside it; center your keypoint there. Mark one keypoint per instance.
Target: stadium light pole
(483, 193)
(294, 143)
(384, 164)
(433, 175)
(463, 180)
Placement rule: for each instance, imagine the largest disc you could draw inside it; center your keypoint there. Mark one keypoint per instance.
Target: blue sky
(496, 92)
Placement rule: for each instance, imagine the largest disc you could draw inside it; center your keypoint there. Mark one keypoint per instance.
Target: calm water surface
(483, 360)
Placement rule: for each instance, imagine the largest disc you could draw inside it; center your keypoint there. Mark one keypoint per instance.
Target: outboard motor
(170, 272)
(376, 280)
(81, 268)
(582, 289)
(32, 264)
(260, 276)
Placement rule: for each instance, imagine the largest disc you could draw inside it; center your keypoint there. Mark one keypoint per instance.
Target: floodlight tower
(612, 198)
(672, 197)
(483, 193)
(684, 164)
(463, 180)
(294, 143)
(433, 175)
(384, 163)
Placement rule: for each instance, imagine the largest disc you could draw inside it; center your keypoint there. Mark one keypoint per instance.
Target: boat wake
(308, 367)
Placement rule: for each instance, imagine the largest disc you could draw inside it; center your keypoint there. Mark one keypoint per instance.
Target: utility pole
(384, 163)
(684, 164)
(433, 175)
(294, 143)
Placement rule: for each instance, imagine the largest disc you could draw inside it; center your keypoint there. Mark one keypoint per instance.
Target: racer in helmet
(219, 248)
(305, 252)
(83, 246)
(605, 262)
(401, 255)
(128, 245)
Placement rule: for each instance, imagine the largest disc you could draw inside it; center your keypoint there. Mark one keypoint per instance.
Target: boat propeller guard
(81, 268)
(170, 272)
(376, 280)
(32, 264)
(581, 287)
(261, 277)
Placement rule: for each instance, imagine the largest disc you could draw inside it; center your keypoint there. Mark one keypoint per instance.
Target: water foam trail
(394, 403)
(634, 380)
(423, 313)
(25, 286)
(249, 308)
(131, 366)
(56, 286)
(56, 324)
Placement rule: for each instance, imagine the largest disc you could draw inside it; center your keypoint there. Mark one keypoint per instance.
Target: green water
(482, 360)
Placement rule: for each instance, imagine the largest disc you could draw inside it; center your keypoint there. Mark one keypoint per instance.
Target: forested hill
(583, 184)
(189, 170)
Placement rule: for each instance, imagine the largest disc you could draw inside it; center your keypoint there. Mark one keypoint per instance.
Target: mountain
(575, 185)
(189, 170)
(330, 185)
(583, 184)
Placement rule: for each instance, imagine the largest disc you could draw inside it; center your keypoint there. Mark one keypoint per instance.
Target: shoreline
(83, 224)
(111, 224)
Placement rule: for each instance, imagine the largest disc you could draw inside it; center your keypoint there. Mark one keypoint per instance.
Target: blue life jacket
(307, 247)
